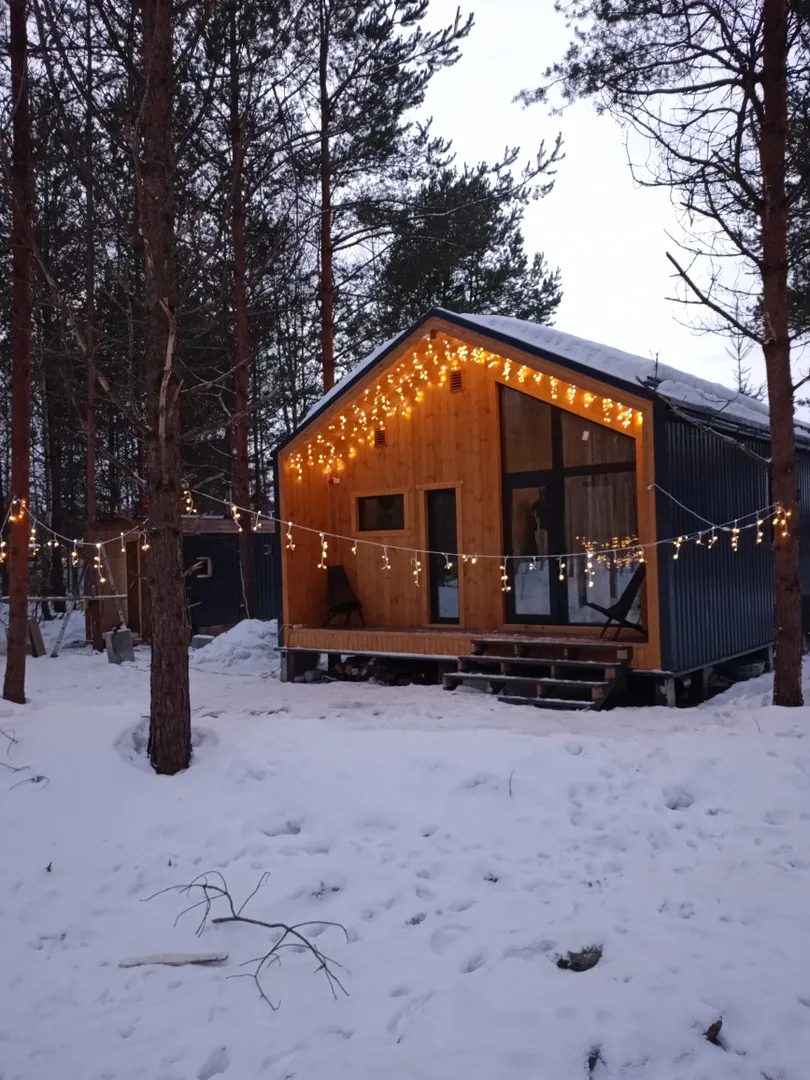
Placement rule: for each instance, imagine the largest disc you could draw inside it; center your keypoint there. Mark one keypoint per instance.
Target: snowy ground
(463, 844)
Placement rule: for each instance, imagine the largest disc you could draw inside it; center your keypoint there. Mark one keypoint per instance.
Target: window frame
(403, 492)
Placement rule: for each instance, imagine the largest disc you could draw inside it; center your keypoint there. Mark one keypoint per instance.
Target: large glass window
(600, 515)
(587, 443)
(525, 432)
(381, 513)
(569, 490)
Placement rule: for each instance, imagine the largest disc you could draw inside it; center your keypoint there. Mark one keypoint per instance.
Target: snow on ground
(247, 649)
(463, 844)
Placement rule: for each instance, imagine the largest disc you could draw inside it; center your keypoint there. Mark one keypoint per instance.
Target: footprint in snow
(677, 797)
(216, 1063)
(473, 963)
(446, 937)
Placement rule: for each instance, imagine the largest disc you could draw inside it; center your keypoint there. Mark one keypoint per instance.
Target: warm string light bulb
(712, 540)
(123, 545)
(780, 520)
(677, 544)
(257, 524)
(562, 569)
(290, 541)
(505, 586)
(417, 570)
(386, 562)
(447, 563)
(760, 534)
(236, 516)
(17, 510)
(735, 538)
(2, 551)
(324, 552)
(74, 554)
(144, 542)
(188, 502)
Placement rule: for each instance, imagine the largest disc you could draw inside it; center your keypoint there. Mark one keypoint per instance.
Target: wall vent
(380, 437)
(456, 382)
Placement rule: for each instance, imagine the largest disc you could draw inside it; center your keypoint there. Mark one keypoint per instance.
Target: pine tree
(461, 247)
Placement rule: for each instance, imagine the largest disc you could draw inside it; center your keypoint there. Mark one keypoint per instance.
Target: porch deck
(452, 641)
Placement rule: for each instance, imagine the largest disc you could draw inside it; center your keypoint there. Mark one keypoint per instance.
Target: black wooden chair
(340, 598)
(619, 611)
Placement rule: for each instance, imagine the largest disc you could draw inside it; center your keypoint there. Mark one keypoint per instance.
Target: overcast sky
(607, 236)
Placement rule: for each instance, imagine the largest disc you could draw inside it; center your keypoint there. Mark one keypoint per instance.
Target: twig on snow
(213, 887)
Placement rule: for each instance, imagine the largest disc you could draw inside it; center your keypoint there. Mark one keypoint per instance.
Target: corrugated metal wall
(714, 603)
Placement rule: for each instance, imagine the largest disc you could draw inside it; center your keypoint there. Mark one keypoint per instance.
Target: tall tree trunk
(327, 279)
(21, 232)
(170, 712)
(90, 509)
(241, 350)
(787, 688)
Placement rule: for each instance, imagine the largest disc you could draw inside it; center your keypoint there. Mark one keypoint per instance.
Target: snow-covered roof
(637, 373)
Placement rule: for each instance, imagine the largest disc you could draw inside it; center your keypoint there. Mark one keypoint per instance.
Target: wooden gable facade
(411, 456)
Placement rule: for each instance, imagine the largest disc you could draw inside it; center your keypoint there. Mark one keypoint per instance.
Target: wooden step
(593, 689)
(504, 663)
(521, 647)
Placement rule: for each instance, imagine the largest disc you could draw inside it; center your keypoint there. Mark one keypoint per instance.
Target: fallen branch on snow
(213, 888)
(175, 959)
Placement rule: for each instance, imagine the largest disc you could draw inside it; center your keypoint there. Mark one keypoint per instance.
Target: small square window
(381, 513)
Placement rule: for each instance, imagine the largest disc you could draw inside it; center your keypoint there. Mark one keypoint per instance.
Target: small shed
(211, 559)
(489, 485)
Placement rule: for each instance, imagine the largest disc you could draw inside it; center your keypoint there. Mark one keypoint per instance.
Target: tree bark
(90, 507)
(241, 350)
(170, 713)
(21, 232)
(787, 688)
(327, 278)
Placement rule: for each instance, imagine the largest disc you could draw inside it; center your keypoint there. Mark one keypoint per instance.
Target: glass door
(442, 562)
(529, 541)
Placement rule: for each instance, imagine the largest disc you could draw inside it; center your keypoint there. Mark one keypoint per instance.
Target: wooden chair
(618, 612)
(340, 598)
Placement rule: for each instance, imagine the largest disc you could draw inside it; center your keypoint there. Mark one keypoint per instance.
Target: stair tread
(537, 680)
(540, 642)
(527, 661)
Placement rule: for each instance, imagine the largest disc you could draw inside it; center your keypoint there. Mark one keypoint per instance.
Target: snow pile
(467, 848)
(247, 648)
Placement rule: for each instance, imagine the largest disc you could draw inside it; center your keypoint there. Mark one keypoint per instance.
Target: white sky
(607, 236)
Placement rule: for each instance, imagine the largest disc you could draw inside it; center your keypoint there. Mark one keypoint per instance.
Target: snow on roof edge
(679, 387)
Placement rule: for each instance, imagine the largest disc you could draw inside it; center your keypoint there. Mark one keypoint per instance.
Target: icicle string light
(322, 564)
(398, 391)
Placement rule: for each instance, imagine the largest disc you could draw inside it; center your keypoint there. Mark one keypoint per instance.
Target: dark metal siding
(215, 601)
(264, 563)
(714, 603)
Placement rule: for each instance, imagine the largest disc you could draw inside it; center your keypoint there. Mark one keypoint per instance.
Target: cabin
(213, 575)
(545, 517)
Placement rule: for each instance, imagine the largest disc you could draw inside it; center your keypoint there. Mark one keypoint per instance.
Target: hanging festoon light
(561, 569)
(188, 502)
(2, 551)
(417, 570)
(677, 544)
(74, 554)
(386, 562)
(123, 545)
(448, 565)
(505, 586)
(780, 520)
(760, 534)
(735, 537)
(17, 510)
(589, 569)
(324, 553)
(236, 516)
(257, 522)
(290, 541)
(712, 540)
(99, 569)
(144, 542)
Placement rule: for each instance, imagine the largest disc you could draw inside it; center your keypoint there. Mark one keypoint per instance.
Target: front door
(442, 535)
